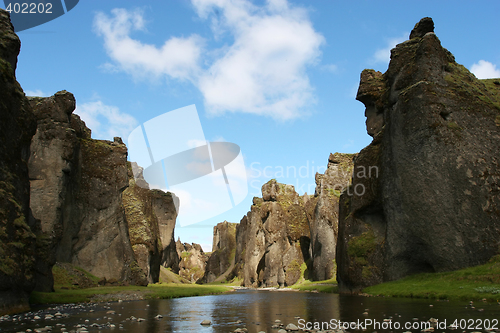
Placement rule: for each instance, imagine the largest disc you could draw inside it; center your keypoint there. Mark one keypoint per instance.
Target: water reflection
(257, 311)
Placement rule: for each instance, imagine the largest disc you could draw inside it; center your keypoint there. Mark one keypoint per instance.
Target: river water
(258, 311)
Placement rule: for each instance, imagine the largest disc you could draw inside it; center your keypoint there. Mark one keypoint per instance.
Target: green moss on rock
(360, 247)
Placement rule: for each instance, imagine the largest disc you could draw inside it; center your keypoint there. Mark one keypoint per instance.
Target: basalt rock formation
(192, 261)
(425, 194)
(273, 238)
(54, 170)
(323, 223)
(61, 196)
(17, 228)
(151, 218)
(76, 195)
(223, 252)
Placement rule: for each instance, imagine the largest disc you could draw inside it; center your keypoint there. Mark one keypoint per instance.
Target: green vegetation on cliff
(471, 283)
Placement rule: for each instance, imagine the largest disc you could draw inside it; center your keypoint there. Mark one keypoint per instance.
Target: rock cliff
(151, 218)
(323, 223)
(76, 194)
(273, 238)
(17, 228)
(192, 261)
(54, 169)
(284, 235)
(425, 193)
(223, 252)
(61, 196)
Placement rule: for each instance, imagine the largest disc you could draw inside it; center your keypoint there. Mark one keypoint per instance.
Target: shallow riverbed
(258, 311)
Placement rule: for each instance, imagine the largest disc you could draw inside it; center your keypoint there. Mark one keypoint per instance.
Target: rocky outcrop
(425, 193)
(273, 238)
(165, 207)
(323, 223)
(76, 194)
(17, 228)
(102, 244)
(192, 261)
(150, 218)
(54, 173)
(221, 259)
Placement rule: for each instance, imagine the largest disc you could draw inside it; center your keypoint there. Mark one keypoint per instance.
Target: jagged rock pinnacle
(421, 28)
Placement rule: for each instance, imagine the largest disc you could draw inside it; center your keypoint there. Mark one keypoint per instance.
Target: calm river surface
(257, 311)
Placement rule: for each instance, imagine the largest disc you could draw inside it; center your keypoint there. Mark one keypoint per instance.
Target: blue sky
(278, 78)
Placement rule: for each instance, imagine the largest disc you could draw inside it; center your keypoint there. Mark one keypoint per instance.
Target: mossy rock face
(361, 247)
(438, 147)
(223, 255)
(143, 223)
(271, 235)
(293, 273)
(67, 276)
(17, 230)
(192, 262)
(323, 222)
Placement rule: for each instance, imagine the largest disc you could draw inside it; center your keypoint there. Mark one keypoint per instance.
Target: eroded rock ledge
(434, 203)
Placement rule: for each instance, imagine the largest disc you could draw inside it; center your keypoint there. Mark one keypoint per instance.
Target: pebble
(206, 322)
(291, 327)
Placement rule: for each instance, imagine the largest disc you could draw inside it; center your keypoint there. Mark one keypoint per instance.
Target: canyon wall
(223, 252)
(17, 228)
(323, 223)
(192, 261)
(273, 238)
(76, 195)
(425, 193)
(284, 236)
(151, 217)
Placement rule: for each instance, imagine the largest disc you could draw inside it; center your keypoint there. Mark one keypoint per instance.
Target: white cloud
(384, 55)
(37, 93)
(485, 70)
(105, 121)
(262, 72)
(176, 58)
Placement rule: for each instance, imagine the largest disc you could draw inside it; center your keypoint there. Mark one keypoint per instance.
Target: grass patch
(68, 276)
(158, 291)
(172, 290)
(471, 283)
(326, 286)
(61, 296)
(236, 281)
